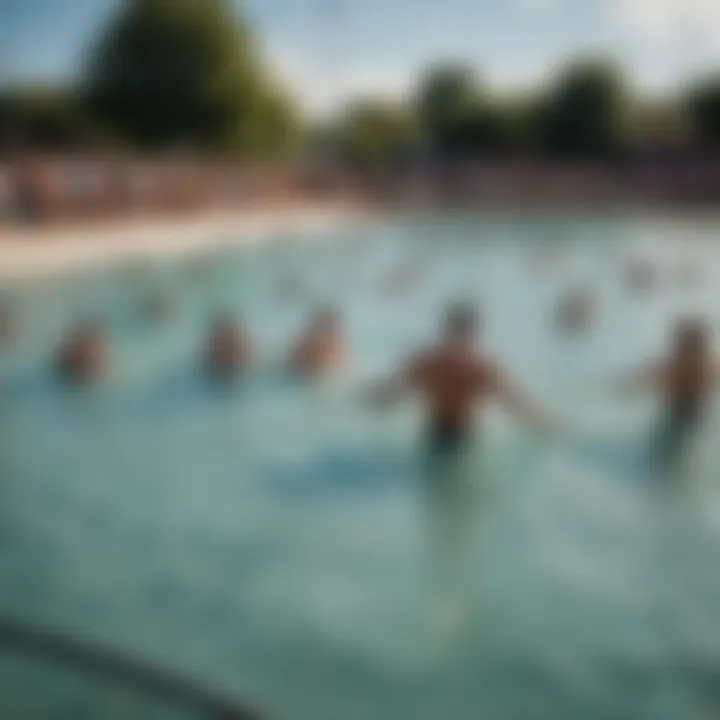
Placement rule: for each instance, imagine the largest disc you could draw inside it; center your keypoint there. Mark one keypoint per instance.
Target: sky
(331, 50)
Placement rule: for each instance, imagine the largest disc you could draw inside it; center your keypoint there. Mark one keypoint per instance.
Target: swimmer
(320, 350)
(84, 356)
(575, 311)
(452, 377)
(227, 351)
(685, 380)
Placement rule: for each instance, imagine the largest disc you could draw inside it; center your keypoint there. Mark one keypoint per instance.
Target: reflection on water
(288, 544)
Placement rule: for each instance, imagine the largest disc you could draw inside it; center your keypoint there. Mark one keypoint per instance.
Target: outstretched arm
(520, 405)
(644, 379)
(396, 387)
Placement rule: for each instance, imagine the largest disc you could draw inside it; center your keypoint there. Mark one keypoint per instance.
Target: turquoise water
(270, 540)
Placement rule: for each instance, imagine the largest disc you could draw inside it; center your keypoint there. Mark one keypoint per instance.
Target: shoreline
(36, 253)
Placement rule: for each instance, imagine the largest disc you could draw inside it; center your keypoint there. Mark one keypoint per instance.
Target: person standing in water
(452, 378)
(84, 356)
(228, 350)
(685, 380)
(320, 350)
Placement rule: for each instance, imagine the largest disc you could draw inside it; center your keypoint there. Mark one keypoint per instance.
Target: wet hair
(691, 337)
(461, 320)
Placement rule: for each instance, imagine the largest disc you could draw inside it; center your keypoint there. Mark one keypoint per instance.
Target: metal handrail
(94, 658)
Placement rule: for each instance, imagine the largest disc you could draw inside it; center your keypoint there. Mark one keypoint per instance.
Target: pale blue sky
(329, 49)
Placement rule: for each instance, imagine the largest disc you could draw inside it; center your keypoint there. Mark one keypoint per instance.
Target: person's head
(460, 323)
(82, 355)
(691, 338)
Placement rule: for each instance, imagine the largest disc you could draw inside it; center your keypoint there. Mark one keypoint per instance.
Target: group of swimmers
(451, 376)
(228, 350)
(318, 351)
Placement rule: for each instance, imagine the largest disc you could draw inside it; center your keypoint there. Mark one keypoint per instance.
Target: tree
(447, 96)
(272, 129)
(584, 115)
(703, 107)
(659, 125)
(483, 130)
(376, 135)
(47, 118)
(167, 73)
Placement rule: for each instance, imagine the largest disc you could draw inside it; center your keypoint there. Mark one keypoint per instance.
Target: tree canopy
(46, 117)
(376, 135)
(584, 115)
(459, 120)
(446, 98)
(186, 73)
(704, 111)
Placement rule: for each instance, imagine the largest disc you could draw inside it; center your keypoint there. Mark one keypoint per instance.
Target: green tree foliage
(658, 124)
(46, 118)
(273, 130)
(446, 103)
(168, 73)
(585, 113)
(703, 106)
(460, 121)
(483, 130)
(376, 135)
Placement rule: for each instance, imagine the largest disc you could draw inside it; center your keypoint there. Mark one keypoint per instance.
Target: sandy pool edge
(36, 253)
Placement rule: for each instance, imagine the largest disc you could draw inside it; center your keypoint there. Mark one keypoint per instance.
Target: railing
(93, 658)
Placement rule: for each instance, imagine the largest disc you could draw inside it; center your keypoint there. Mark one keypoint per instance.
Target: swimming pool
(268, 538)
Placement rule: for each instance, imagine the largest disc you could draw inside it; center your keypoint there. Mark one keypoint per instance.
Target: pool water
(270, 539)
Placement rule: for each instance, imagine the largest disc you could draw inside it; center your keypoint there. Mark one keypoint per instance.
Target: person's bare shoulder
(417, 364)
(487, 373)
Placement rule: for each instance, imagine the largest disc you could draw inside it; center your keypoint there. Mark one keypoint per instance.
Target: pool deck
(28, 253)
